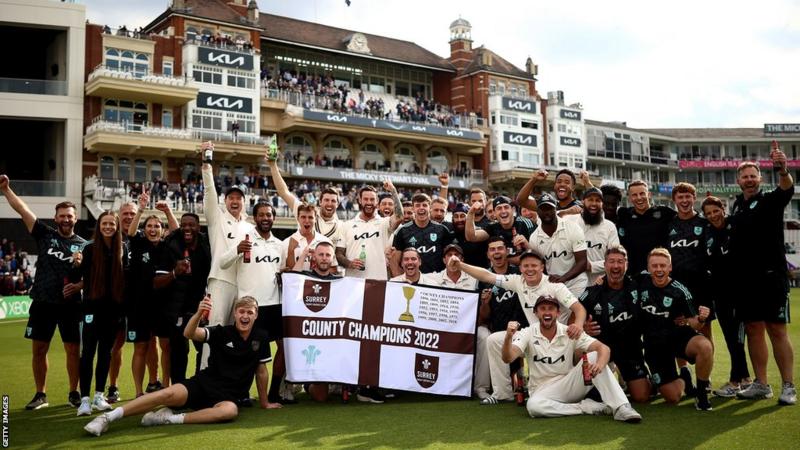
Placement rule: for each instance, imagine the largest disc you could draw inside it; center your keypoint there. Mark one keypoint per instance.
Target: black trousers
(733, 331)
(179, 351)
(99, 325)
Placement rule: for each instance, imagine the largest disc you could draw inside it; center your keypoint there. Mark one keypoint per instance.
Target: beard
(591, 218)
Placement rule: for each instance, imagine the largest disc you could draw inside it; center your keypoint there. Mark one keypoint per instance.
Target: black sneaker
(702, 403)
(74, 398)
(152, 387)
(245, 403)
(113, 394)
(39, 401)
(369, 395)
(286, 401)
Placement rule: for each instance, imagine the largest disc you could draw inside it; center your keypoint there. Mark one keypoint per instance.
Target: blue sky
(705, 63)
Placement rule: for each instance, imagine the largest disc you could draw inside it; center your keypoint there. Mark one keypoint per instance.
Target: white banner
(378, 333)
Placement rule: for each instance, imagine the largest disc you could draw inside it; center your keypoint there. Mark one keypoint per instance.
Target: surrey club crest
(316, 294)
(426, 370)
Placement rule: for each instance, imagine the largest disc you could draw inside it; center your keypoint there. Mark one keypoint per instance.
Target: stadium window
(166, 118)
(106, 167)
(140, 170)
(187, 169)
(508, 119)
(166, 68)
(529, 124)
(206, 120)
(124, 169)
(155, 169)
(404, 159)
(437, 160)
(211, 75)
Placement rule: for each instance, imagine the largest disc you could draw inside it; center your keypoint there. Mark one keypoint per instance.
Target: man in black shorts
(55, 297)
(757, 246)
(670, 327)
(238, 352)
(613, 320)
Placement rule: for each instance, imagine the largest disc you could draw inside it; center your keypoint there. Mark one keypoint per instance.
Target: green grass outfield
(410, 421)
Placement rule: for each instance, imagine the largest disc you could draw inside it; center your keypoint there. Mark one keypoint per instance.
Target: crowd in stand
(15, 270)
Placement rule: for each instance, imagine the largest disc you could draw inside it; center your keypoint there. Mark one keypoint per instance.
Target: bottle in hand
(208, 153)
(204, 315)
(363, 257)
(246, 254)
(587, 374)
(188, 261)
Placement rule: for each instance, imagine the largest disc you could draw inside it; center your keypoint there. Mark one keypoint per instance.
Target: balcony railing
(318, 102)
(28, 86)
(39, 188)
(101, 125)
(652, 159)
(155, 78)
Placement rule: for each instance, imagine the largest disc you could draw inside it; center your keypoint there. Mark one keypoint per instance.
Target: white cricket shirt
(373, 235)
(528, 294)
(258, 278)
(559, 251)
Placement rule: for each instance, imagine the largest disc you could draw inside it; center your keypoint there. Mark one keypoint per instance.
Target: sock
(115, 414)
(175, 419)
(686, 376)
(701, 387)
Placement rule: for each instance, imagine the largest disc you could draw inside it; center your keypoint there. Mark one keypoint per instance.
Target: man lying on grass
(237, 353)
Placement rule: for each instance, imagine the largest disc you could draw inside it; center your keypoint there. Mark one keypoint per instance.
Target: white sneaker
(154, 418)
(626, 413)
(85, 409)
(788, 395)
(481, 393)
(98, 426)
(727, 391)
(99, 403)
(594, 408)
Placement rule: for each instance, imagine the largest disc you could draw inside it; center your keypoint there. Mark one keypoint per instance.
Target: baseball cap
(531, 254)
(546, 299)
(462, 208)
(455, 247)
(501, 200)
(593, 191)
(234, 189)
(546, 199)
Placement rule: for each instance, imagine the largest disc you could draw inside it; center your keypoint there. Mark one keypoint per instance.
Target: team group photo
(236, 227)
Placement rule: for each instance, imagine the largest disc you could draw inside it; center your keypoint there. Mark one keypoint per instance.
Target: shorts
(629, 359)
(270, 319)
(43, 318)
(660, 354)
(764, 298)
(203, 393)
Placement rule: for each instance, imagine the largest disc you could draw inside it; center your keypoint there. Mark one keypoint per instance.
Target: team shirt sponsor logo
(548, 359)
(426, 370)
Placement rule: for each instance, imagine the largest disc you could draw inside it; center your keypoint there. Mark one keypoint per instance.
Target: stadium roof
(309, 34)
(496, 64)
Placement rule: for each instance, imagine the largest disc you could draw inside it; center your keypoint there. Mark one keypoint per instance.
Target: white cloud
(654, 64)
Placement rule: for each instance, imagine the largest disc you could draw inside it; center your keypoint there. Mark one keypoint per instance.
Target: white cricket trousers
(481, 377)
(500, 373)
(562, 397)
(223, 294)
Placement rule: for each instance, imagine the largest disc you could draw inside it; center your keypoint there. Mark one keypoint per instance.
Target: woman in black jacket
(103, 281)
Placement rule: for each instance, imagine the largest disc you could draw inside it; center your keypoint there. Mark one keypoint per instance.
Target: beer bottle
(246, 257)
(204, 315)
(208, 154)
(587, 374)
(188, 261)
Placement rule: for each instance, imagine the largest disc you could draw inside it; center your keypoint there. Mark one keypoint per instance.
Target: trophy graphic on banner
(408, 293)
(272, 148)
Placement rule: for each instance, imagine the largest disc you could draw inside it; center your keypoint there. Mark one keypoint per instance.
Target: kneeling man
(238, 352)
(557, 386)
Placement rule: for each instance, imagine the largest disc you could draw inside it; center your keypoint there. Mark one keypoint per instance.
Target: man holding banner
(529, 286)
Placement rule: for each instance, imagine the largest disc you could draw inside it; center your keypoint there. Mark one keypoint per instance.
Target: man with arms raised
(600, 234)
(556, 386)
(614, 321)
(367, 236)
(562, 244)
(529, 285)
(757, 245)
(257, 277)
(670, 326)
(239, 352)
(642, 227)
(56, 300)
(224, 225)
(423, 234)
(513, 229)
